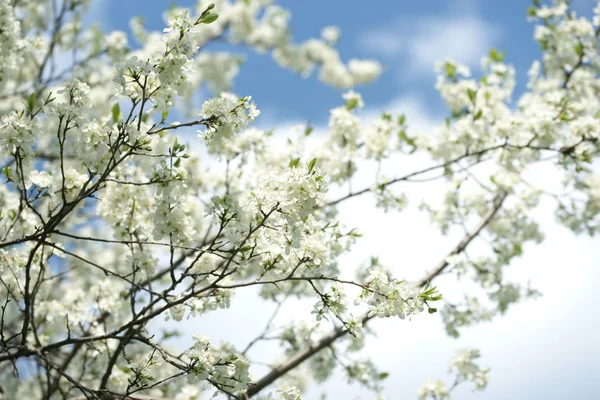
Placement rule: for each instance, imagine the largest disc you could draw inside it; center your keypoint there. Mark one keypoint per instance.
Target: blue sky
(406, 36)
(543, 349)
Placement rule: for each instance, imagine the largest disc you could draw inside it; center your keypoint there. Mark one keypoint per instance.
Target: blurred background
(548, 348)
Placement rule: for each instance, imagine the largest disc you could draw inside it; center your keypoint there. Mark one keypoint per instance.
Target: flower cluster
(226, 115)
(464, 369)
(433, 390)
(389, 297)
(224, 367)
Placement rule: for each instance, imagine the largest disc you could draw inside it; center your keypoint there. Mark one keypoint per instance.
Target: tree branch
(329, 339)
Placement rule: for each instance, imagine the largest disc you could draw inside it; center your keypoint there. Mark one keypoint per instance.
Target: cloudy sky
(542, 349)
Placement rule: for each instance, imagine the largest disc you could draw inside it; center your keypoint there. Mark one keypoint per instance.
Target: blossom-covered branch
(113, 226)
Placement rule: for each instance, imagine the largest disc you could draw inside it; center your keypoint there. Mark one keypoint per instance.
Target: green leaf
(383, 375)
(116, 112)
(426, 286)
(295, 162)
(579, 50)
(450, 71)
(31, 102)
(164, 115)
(531, 11)
(431, 310)
(246, 248)
(208, 18)
(7, 171)
(308, 130)
(496, 56)
(472, 94)
(351, 104)
(177, 162)
(354, 233)
(311, 165)
(478, 115)
(518, 249)
(169, 334)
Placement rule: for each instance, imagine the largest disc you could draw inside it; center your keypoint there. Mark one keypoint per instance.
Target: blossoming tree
(109, 221)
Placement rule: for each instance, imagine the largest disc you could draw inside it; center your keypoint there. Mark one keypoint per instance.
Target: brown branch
(205, 122)
(329, 339)
(132, 397)
(565, 150)
(420, 172)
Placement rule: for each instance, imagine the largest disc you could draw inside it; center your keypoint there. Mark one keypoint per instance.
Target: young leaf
(579, 50)
(450, 70)
(245, 248)
(116, 112)
(31, 102)
(496, 56)
(7, 171)
(311, 165)
(351, 104)
(208, 18)
(472, 94)
(383, 375)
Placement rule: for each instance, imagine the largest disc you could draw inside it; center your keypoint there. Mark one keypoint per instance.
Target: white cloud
(462, 39)
(419, 43)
